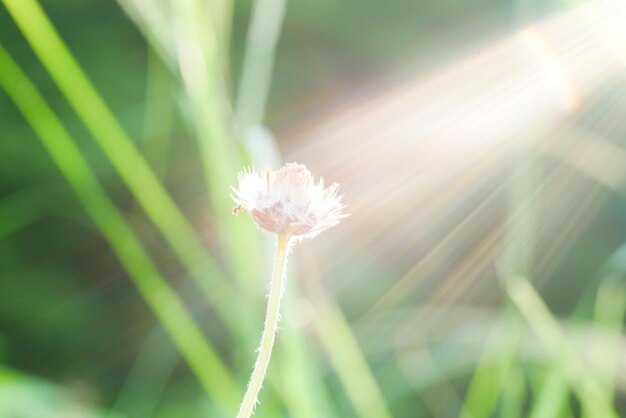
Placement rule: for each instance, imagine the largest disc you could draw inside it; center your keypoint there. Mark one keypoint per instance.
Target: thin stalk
(256, 72)
(269, 331)
(199, 53)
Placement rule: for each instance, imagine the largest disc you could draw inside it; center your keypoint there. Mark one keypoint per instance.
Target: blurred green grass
(115, 194)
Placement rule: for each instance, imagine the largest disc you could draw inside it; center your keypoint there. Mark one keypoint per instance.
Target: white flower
(288, 201)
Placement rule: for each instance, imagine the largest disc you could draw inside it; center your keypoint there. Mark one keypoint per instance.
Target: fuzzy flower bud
(288, 201)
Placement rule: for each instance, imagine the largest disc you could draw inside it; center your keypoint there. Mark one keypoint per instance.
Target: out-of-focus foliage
(472, 280)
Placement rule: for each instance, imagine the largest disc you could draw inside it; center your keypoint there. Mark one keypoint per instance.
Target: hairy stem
(269, 331)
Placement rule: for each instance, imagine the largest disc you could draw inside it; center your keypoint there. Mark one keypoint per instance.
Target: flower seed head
(288, 200)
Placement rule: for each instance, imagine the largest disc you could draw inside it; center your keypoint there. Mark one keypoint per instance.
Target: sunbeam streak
(428, 161)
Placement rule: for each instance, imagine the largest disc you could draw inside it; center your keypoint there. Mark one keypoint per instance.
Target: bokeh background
(481, 148)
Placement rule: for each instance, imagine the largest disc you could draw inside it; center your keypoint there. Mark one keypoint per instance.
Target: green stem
(269, 331)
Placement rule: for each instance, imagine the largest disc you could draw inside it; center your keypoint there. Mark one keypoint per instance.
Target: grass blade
(593, 398)
(349, 362)
(199, 354)
(200, 58)
(256, 72)
(119, 148)
(491, 376)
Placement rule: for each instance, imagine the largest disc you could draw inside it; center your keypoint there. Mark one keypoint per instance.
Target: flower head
(288, 201)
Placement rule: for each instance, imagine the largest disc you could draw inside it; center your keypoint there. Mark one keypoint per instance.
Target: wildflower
(288, 201)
